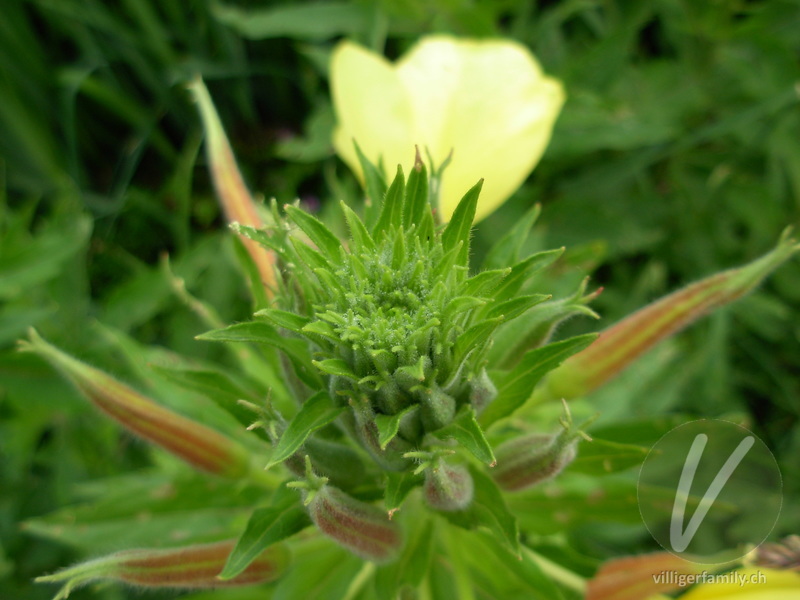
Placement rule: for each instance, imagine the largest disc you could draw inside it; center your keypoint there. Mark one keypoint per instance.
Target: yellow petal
(490, 103)
(372, 108)
(752, 584)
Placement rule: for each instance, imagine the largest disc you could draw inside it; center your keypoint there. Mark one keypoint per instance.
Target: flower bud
(198, 445)
(362, 528)
(530, 459)
(524, 461)
(193, 567)
(438, 409)
(234, 197)
(621, 344)
(448, 487)
(481, 391)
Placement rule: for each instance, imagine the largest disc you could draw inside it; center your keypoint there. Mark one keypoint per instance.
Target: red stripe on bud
(448, 487)
(192, 567)
(621, 344)
(362, 528)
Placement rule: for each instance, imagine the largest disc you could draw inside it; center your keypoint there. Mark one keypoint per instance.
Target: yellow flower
(750, 584)
(486, 100)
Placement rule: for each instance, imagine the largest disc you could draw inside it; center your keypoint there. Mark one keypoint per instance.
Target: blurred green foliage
(677, 155)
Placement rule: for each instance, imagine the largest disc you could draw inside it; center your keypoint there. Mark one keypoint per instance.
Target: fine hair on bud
(448, 487)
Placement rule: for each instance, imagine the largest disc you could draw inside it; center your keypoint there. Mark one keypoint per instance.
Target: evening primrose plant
(390, 456)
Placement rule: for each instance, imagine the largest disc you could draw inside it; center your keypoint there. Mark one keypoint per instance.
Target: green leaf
(285, 319)
(316, 412)
(460, 224)
(511, 309)
(398, 486)
(466, 431)
(392, 207)
(412, 565)
(375, 184)
(522, 272)
(263, 333)
(312, 258)
(516, 387)
(474, 337)
(505, 251)
(416, 202)
(265, 527)
(358, 232)
(325, 572)
(488, 509)
(388, 425)
(483, 283)
(337, 367)
(318, 233)
(600, 457)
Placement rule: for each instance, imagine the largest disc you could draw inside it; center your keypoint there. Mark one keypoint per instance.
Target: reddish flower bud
(448, 487)
(198, 445)
(190, 567)
(234, 197)
(620, 345)
(530, 459)
(362, 528)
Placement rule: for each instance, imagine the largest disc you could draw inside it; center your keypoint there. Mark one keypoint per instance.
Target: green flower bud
(438, 409)
(481, 391)
(448, 487)
(192, 567)
(362, 528)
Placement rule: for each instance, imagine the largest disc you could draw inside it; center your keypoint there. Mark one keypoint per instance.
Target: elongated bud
(362, 528)
(193, 567)
(198, 445)
(235, 199)
(448, 487)
(633, 577)
(621, 344)
(534, 458)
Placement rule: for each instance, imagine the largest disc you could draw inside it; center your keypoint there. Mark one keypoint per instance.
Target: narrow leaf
(358, 231)
(466, 431)
(316, 412)
(392, 208)
(265, 527)
(337, 367)
(517, 385)
(458, 228)
(285, 319)
(416, 202)
(522, 272)
(388, 425)
(505, 251)
(375, 184)
(317, 232)
(398, 486)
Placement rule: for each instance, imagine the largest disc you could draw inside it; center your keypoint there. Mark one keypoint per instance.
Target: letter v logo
(679, 538)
